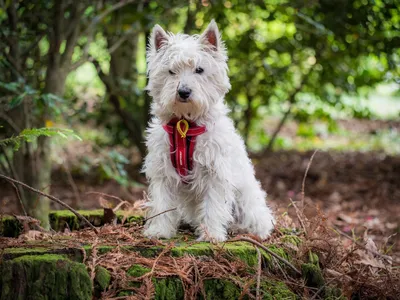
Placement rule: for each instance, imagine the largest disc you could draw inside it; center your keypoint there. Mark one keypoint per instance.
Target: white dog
(196, 161)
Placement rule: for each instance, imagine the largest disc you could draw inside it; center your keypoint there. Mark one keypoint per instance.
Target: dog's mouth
(182, 100)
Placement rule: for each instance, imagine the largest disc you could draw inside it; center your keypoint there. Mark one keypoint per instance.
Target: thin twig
(105, 195)
(385, 257)
(298, 214)
(249, 240)
(163, 212)
(303, 185)
(19, 198)
(51, 198)
(73, 184)
(258, 274)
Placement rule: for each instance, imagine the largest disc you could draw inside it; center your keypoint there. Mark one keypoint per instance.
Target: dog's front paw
(214, 238)
(157, 232)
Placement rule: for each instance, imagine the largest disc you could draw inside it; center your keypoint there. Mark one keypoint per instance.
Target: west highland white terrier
(197, 162)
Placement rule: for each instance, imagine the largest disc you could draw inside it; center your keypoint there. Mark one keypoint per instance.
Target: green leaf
(16, 101)
(12, 86)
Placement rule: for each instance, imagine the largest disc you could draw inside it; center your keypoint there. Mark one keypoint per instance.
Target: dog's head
(187, 74)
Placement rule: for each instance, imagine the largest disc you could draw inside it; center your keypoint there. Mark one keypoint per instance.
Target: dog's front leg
(215, 210)
(162, 223)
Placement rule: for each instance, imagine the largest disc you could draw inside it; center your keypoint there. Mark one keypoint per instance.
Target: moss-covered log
(10, 226)
(62, 219)
(46, 276)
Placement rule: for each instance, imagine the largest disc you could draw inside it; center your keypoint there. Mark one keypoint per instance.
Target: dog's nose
(184, 92)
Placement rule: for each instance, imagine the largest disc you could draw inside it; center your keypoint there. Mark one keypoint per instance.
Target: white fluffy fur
(223, 190)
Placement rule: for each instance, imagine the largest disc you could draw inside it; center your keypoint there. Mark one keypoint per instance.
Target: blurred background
(305, 75)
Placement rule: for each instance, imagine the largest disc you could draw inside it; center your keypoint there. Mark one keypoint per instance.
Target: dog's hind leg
(255, 216)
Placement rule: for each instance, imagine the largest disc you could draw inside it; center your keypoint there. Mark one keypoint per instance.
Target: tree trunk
(123, 69)
(33, 161)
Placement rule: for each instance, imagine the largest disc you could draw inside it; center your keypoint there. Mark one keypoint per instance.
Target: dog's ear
(158, 37)
(211, 36)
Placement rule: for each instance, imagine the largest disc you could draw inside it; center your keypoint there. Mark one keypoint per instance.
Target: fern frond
(29, 135)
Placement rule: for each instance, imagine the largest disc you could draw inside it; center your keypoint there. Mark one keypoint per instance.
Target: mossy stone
(47, 276)
(271, 290)
(241, 250)
(138, 270)
(10, 227)
(61, 219)
(102, 280)
(313, 275)
(220, 289)
(168, 288)
(74, 254)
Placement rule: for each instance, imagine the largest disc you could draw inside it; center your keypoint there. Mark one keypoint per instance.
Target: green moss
(197, 249)
(125, 293)
(165, 288)
(291, 239)
(313, 275)
(129, 219)
(333, 293)
(25, 251)
(74, 254)
(313, 258)
(220, 289)
(168, 288)
(102, 279)
(276, 290)
(148, 252)
(100, 249)
(138, 270)
(10, 227)
(61, 219)
(41, 276)
(241, 250)
(225, 289)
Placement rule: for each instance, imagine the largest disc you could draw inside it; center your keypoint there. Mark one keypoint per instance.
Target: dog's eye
(199, 70)
(170, 72)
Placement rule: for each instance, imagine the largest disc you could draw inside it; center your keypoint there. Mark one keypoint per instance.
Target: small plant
(29, 135)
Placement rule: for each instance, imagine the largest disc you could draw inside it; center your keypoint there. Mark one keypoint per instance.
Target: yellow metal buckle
(185, 129)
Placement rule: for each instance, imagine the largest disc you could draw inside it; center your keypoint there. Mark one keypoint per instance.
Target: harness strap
(182, 139)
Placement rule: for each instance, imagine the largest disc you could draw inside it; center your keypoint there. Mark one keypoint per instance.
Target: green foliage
(114, 168)
(30, 135)
(310, 56)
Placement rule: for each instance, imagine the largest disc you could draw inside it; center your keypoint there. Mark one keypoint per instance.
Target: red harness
(182, 138)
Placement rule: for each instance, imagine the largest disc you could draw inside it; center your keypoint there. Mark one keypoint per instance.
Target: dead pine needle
(385, 257)
(258, 274)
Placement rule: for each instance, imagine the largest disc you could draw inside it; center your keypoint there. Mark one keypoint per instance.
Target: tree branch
(89, 31)
(292, 100)
(72, 38)
(51, 198)
(33, 45)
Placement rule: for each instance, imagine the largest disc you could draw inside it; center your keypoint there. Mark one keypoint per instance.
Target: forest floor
(357, 192)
